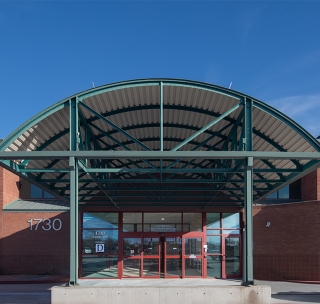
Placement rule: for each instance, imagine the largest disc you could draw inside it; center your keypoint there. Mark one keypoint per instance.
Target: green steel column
(161, 116)
(74, 142)
(73, 222)
(248, 233)
(247, 254)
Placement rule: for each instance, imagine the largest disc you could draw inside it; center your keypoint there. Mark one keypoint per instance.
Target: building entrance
(166, 255)
(160, 245)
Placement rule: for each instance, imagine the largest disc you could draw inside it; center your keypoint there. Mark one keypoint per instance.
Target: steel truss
(106, 164)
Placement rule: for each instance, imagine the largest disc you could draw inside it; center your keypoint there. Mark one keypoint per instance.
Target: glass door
(132, 259)
(141, 257)
(231, 262)
(172, 251)
(151, 257)
(192, 257)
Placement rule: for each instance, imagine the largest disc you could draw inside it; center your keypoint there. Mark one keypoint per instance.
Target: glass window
(131, 246)
(214, 266)
(98, 267)
(192, 246)
(173, 267)
(192, 222)
(100, 220)
(231, 220)
(100, 241)
(132, 222)
(162, 222)
(37, 192)
(214, 244)
(151, 246)
(213, 220)
(173, 246)
(284, 192)
(273, 195)
(150, 267)
(193, 267)
(131, 268)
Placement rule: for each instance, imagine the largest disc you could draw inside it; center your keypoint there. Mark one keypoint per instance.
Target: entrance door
(141, 256)
(192, 257)
(172, 256)
(231, 260)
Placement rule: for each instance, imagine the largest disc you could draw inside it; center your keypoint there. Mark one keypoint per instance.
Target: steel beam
(157, 155)
(206, 127)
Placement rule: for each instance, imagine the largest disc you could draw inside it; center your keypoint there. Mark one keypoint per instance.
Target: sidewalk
(33, 279)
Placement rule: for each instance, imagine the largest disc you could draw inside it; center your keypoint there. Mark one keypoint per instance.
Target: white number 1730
(46, 224)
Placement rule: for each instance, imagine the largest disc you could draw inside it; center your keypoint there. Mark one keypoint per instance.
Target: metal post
(247, 254)
(161, 126)
(73, 222)
(74, 142)
(161, 116)
(247, 278)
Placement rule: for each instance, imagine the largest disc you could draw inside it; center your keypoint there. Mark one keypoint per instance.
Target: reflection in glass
(100, 220)
(150, 267)
(91, 239)
(214, 266)
(131, 246)
(232, 247)
(132, 222)
(173, 267)
(231, 220)
(214, 244)
(192, 246)
(284, 192)
(230, 231)
(95, 266)
(131, 268)
(192, 222)
(173, 246)
(213, 220)
(193, 267)
(151, 246)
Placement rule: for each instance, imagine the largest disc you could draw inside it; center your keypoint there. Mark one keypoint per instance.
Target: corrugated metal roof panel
(37, 206)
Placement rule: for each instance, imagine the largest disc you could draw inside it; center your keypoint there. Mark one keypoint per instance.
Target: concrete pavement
(282, 292)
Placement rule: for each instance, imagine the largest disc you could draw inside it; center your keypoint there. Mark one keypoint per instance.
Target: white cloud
(305, 110)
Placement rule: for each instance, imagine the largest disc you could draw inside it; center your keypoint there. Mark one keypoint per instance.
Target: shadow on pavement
(299, 297)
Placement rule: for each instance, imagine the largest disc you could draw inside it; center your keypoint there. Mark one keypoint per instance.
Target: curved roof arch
(162, 115)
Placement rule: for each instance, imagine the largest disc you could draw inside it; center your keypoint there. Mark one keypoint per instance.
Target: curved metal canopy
(131, 119)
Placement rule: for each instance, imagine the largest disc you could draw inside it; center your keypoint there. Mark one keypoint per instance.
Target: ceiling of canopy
(162, 115)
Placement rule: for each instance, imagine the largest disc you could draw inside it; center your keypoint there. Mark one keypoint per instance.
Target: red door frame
(223, 260)
(164, 237)
(142, 256)
(191, 235)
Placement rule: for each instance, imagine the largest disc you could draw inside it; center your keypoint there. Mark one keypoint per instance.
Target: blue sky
(53, 49)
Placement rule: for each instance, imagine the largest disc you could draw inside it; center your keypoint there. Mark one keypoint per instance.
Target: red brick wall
(9, 187)
(289, 248)
(311, 186)
(26, 251)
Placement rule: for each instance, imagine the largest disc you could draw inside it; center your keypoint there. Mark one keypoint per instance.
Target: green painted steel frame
(212, 168)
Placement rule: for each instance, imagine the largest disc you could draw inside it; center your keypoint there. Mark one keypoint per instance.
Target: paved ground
(39, 293)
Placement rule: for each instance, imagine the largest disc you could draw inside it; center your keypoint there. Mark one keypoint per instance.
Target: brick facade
(30, 251)
(289, 248)
(26, 251)
(9, 187)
